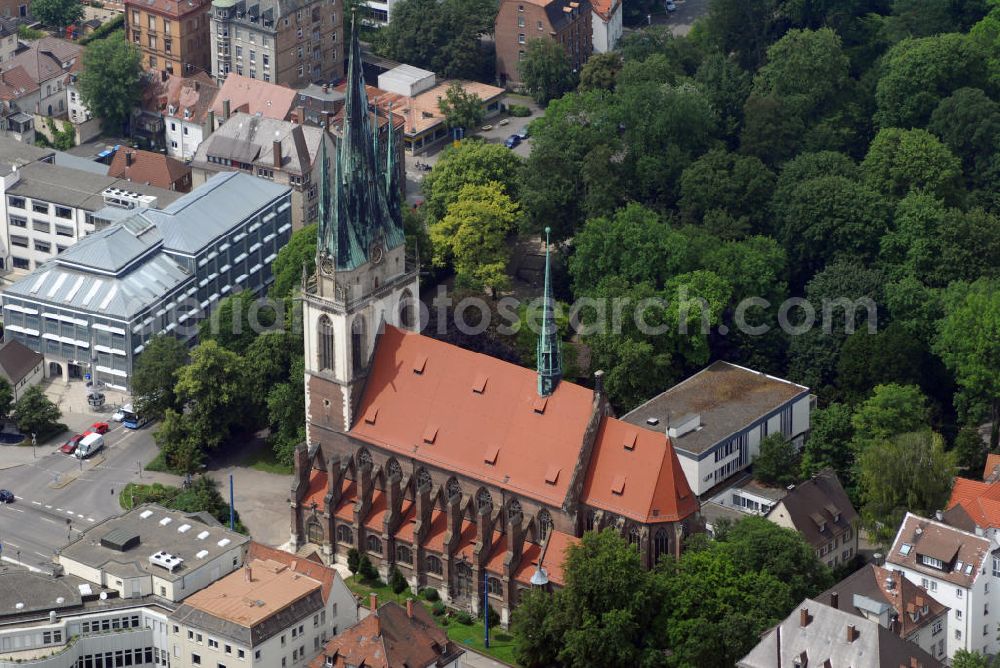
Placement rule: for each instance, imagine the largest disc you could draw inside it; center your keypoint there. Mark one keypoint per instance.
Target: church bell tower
(363, 279)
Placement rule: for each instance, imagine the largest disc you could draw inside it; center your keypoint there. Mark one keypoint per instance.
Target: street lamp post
(34, 442)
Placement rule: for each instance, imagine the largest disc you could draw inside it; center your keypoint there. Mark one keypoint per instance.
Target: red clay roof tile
(433, 416)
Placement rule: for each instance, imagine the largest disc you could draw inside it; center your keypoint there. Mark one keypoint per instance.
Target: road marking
(57, 509)
(48, 506)
(90, 519)
(16, 510)
(12, 560)
(16, 547)
(69, 512)
(43, 556)
(50, 521)
(36, 503)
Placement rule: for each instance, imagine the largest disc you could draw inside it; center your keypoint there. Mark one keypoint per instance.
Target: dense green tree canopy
(777, 463)
(35, 413)
(471, 162)
(111, 80)
(899, 161)
(57, 13)
(154, 375)
(546, 71)
(461, 109)
(919, 72)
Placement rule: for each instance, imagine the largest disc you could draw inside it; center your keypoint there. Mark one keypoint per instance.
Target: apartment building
(567, 22)
(172, 34)
(175, 113)
(154, 169)
(901, 606)
(278, 610)
(100, 301)
(822, 635)
(252, 96)
(289, 43)
(45, 209)
(955, 567)
(717, 418)
(607, 24)
(278, 151)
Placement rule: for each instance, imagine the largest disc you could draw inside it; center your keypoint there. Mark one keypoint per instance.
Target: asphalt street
(58, 495)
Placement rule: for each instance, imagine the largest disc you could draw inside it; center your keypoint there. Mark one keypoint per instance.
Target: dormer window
(932, 562)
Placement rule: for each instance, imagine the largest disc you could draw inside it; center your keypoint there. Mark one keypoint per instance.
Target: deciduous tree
(968, 344)
(777, 463)
(910, 472)
(35, 413)
(57, 13)
(154, 375)
(461, 109)
(600, 71)
(299, 252)
(472, 162)
(899, 161)
(111, 80)
(546, 71)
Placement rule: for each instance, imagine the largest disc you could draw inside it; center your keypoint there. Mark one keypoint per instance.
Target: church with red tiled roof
(469, 474)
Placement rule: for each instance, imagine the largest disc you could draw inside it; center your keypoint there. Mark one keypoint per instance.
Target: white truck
(90, 444)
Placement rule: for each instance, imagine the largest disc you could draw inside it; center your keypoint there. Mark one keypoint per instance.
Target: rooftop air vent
(652, 421)
(685, 425)
(166, 560)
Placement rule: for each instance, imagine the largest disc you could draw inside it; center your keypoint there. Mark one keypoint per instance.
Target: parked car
(69, 447)
(118, 415)
(512, 141)
(6, 496)
(523, 134)
(100, 427)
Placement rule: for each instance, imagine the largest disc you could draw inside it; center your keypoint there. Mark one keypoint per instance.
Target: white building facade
(606, 24)
(959, 569)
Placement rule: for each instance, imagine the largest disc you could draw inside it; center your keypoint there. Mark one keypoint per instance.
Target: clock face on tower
(377, 253)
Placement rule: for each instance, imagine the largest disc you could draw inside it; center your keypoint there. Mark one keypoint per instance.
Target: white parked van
(90, 444)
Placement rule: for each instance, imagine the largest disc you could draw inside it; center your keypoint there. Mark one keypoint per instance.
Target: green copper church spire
(356, 215)
(548, 355)
(393, 192)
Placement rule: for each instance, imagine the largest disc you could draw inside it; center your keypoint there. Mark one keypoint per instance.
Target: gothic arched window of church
(423, 479)
(544, 524)
(345, 534)
(324, 347)
(633, 536)
(358, 352)
(453, 488)
(393, 468)
(364, 457)
(434, 565)
(660, 543)
(407, 308)
(484, 500)
(514, 511)
(404, 554)
(374, 544)
(314, 531)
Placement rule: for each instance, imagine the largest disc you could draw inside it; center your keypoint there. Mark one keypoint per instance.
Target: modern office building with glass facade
(98, 303)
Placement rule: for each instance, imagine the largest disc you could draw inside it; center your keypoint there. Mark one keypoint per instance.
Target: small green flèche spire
(548, 355)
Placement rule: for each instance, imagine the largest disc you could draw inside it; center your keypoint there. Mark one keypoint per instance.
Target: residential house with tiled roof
(42, 80)
(826, 637)
(254, 97)
(956, 568)
(175, 113)
(820, 510)
(277, 610)
(469, 474)
(991, 471)
(276, 150)
(390, 637)
(607, 24)
(20, 366)
(887, 597)
(152, 169)
(566, 22)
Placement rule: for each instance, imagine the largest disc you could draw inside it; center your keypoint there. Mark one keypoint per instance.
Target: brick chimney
(852, 633)
(276, 146)
(248, 573)
(373, 602)
(128, 158)
(804, 617)
(409, 608)
(225, 110)
(835, 600)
